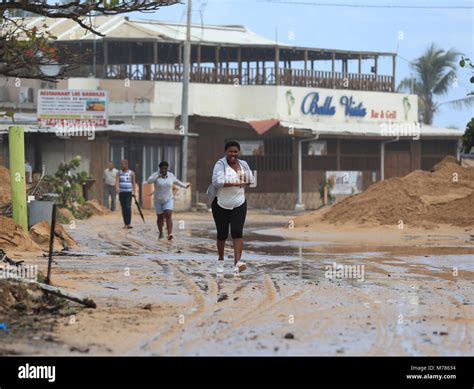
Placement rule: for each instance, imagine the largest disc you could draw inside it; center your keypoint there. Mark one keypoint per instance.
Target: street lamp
(50, 68)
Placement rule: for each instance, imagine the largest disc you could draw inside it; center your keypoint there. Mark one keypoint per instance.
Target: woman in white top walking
(229, 207)
(163, 197)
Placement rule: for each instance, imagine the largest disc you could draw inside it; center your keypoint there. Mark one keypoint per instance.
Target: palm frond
(443, 84)
(460, 104)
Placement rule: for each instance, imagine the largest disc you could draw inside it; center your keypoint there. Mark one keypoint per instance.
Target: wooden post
(394, 67)
(375, 85)
(277, 66)
(216, 63)
(338, 154)
(306, 67)
(155, 52)
(257, 77)
(155, 60)
(239, 63)
(333, 70)
(106, 58)
(51, 244)
(199, 56)
(248, 72)
(130, 73)
(16, 140)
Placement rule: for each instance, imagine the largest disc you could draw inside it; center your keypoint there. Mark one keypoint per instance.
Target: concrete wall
(55, 151)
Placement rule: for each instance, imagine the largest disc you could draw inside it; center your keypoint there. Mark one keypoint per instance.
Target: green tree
(435, 71)
(468, 137)
(23, 49)
(68, 184)
(467, 63)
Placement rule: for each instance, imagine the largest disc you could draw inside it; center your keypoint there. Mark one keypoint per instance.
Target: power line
(367, 5)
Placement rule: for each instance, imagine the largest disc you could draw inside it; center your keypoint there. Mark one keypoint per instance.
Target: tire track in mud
(393, 340)
(227, 313)
(467, 342)
(207, 315)
(456, 326)
(167, 339)
(269, 302)
(383, 338)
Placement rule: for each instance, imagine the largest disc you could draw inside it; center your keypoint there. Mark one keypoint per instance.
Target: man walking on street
(125, 186)
(109, 177)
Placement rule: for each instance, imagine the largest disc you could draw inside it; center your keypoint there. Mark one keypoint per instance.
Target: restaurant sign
(312, 105)
(66, 107)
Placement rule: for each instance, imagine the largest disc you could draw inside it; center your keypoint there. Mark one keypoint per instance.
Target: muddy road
(405, 294)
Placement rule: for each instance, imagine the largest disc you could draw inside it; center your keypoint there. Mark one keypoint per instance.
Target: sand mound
(66, 214)
(92, 207)
(444, 195)
(13, 237)
(40, 234)
(5, 191)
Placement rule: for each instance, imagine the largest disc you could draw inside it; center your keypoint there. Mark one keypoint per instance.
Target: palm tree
(434, 72)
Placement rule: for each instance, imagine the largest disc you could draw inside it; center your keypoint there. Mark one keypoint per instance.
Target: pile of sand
(66, 214)
(40, 234)
(93, 207)
(5, 190)
(421, 199)
(12, 236)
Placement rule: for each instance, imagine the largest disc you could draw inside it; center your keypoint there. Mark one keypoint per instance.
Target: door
(397, 163)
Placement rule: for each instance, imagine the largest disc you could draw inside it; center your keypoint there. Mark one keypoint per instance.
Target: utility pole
(185, 96)
(16, 142)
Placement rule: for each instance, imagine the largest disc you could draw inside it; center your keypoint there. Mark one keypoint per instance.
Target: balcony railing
(244, 76)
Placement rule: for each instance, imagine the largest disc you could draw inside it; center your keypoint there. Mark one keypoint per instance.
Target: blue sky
(353, 28)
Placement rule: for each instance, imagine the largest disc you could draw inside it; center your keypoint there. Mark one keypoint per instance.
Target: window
(154, 154)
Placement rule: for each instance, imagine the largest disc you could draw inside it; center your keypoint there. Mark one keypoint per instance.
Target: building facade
(301, 114)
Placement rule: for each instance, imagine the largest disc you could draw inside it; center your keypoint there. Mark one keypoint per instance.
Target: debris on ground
(40, 233)
(123, 253)
(420, 199)
(30, 314)
(5, 259)
(20, 298)
(66, 295)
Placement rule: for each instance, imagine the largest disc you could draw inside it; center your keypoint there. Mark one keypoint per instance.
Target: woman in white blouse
(229, 207)
(163, 197)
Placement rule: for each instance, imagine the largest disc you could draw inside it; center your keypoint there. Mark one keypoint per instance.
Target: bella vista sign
(311, 105)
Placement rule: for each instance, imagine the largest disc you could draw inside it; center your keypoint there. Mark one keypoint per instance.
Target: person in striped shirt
(125, 186)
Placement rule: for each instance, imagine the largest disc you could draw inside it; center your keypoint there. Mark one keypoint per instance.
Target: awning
(262, 126)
